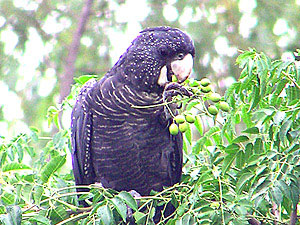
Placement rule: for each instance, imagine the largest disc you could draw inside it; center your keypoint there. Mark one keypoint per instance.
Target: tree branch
(66, 79)
(293, 220)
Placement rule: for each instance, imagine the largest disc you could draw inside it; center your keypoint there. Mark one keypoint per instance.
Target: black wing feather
(81, 130)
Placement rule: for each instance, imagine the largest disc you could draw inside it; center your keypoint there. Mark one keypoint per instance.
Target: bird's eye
(163, 51)
(180, 56)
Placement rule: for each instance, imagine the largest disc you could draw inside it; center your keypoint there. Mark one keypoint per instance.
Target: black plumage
(121, 146)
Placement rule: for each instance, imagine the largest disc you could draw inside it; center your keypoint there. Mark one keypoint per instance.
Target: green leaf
(279, 88)
(7, 198)
(255, 98)
(27, 190)
(261, 187)
(57, 214)
(120, 207)
(14, 166)
(242, 181)
(37, 194)
(34, 134)
(240, 159)
(52, 166)
(83, 79)
(240, 139)
(13, 216)
(277, 195)
(251, 130)
(39, 219)
(243, 58)
(105, 214)
(294, 194)
(284, 188)
(191, 104)
(261, 64)
(30, 150)
(258, 146)
(128, 199)
(140, 218)
(188, 134)
(282, 67)
(228, 161)
(232, 148)
(284, 130)
(198, 124)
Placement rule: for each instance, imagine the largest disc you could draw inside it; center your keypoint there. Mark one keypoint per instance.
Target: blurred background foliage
(35, 36)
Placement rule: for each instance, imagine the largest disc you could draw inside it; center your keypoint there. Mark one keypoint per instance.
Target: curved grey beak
(181, 69)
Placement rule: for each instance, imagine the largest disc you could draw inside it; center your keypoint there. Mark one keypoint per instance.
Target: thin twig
(291, 79)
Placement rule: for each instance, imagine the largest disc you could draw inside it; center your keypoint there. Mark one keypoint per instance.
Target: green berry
(212, 110)
(215, 97)
(224, 106)
(194, 90)
(174, 78)
(205, 82)
(179, 119)
(190, 118)
(194, 83)
(183, 127)
(173, 128)
(206, 89)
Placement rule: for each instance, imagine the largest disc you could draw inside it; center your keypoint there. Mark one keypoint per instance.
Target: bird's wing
(81, 129)
(176, 163)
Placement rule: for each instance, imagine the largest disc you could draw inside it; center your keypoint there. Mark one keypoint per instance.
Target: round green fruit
(174, 78)
(212, 110)
(206, 89)
(190, 118)
(205, 82)
(179, 119)
(224, 106)
(173, 128)
(183, 127)
(215, 97)
(194, 83)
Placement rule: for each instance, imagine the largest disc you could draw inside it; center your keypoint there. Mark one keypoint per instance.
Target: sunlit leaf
(198, 125)
(255, 98)
(13, 216)
(105, 214)
(284, 129)
(242, 181)
(128, 199)
(232, 148)
(14, 166)
(52, 166)
(120, 207)
(58, 214)
(84, 78)
(140, 217)
(251, 130)
(228, 161)
(241, 138)
(40, 219)
(258, 146)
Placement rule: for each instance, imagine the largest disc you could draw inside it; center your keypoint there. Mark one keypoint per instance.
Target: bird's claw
(173, 89)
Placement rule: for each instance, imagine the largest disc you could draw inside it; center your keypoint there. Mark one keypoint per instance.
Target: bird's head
(155, 55)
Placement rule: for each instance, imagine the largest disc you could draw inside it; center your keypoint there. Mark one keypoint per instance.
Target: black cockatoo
(116, 141)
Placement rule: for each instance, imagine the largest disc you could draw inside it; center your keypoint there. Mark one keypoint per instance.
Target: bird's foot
(174, 89)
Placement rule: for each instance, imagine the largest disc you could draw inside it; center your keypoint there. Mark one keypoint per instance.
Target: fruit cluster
(202, 91)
